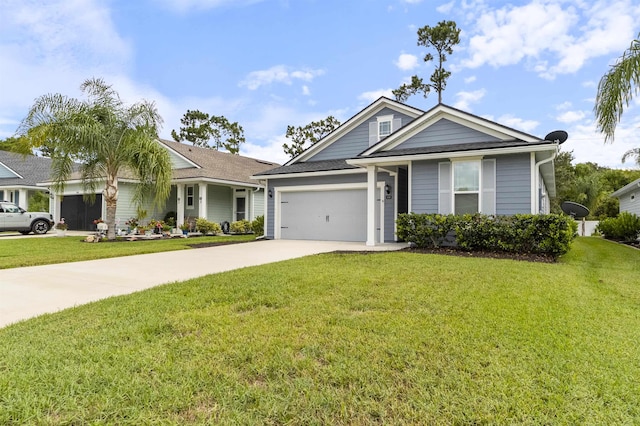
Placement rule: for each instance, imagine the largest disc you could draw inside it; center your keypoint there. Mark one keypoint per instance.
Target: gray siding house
(206, 183)
(19, 175)
(391, 158)
(629, 197)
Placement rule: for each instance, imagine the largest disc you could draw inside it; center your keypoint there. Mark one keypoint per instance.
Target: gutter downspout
(537, 178)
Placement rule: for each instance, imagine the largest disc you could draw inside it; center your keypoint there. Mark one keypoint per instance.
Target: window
(190, 197)
(466, 187)
(384, 126)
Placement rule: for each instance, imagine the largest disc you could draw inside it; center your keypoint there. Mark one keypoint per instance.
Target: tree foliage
(15, 144)
(108, 137)
(303, 137)
(442, 38)
(616, 89)
(207, 131)
(589, 184)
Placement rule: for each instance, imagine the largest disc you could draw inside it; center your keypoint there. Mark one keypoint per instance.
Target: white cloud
(446, 8)
(470, 79)
(305, 90)
(406, 62)
(183, 6)
(375, 94)
(588, 144)
(67, 41)
(552, 36)
(527, 126)
(278, 74)
(571, 116)
(465, 99)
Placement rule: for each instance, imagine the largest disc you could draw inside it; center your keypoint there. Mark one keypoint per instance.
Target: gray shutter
(396, 124)
(444, 188)
(373, 132)
(488, 187)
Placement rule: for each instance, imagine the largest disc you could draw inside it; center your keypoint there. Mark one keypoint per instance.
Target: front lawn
(391, 338)
(44, 251)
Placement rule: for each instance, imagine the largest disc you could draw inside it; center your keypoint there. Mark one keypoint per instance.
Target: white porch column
(202, 194)
(372, 184)
(23, 199)
(180, 206)
(54, 206)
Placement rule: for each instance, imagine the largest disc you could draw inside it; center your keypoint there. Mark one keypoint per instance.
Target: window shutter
(396, 124)
(373, 132)
(444, 188)
(488, 187)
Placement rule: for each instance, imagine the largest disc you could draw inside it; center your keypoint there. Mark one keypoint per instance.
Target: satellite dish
(557, 136)
(575, 210)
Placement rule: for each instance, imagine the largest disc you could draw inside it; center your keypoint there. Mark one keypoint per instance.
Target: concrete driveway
(31, 291)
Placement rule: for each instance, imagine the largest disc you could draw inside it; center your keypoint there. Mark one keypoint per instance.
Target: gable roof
(211, 164)
(442, 111)
(23, 170)
(354, 121)
(635, 185)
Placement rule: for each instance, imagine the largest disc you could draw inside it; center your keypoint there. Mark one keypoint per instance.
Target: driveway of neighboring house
(31, 291)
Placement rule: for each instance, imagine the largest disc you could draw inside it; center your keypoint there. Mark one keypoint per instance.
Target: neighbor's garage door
(78, 214)
(336, 215)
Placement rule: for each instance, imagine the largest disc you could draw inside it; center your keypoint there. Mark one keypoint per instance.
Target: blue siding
(513, 184)
(445, 132)
(389, 208)
(424, 187)
(357, 140)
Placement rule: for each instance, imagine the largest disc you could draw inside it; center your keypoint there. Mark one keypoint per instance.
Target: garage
(78, 214)
(330, 215)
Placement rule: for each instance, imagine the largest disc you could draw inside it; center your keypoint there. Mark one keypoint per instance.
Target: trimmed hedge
(625, 227)
(240, 227)
(548, 235)
(258, 225)
(206, 227)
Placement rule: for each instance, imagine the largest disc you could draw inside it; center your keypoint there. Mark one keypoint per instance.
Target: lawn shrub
(258, 225)
(548, 235)
(625, 227)
(240, 227)
(424, 230)
(206, 227)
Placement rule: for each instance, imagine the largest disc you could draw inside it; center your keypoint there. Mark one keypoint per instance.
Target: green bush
(240, 227)
(548, 235)
(258, 225)
(39, 202)
(424, 230)
(625, 227)
(206, 227)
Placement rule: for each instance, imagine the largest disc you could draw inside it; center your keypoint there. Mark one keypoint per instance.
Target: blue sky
(531, 65)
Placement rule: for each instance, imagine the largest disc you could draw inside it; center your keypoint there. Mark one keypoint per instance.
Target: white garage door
(336, 215)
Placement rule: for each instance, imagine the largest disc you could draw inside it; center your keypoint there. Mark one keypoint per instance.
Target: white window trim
(453, 183)
(384, 119)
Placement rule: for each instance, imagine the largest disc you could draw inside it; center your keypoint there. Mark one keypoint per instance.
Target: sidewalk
(31, 291)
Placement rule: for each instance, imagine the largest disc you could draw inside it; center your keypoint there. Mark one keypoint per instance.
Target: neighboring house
(206, 183)
(19, 175)
(391, 158)
(629, 197)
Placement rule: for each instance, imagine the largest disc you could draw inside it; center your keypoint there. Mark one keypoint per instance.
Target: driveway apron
(31, 291)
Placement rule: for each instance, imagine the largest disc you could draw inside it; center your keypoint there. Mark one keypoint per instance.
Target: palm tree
(617, 88)
(107, 138)
(632, 153)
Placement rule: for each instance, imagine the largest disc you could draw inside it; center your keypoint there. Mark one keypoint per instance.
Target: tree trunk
(111, 199)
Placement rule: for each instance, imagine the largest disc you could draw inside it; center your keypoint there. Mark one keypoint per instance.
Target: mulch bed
(449, 251)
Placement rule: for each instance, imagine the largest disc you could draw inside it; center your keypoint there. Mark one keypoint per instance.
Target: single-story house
(19, 175)
(629, 197)
(391, 158)
(206, 183)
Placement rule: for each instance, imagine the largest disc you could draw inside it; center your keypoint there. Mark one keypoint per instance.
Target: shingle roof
(217, 164)
(309, 166)
(32, 169)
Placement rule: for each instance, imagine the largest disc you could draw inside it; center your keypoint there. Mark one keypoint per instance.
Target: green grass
(393, 338)
(43, 251)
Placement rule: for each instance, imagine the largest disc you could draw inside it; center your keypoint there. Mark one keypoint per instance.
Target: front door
(241, 206)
